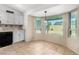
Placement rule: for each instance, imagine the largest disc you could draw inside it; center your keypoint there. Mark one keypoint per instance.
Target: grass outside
(56, 29)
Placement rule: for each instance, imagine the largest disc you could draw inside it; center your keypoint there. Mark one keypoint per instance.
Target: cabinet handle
(9, 11)
(0, 21)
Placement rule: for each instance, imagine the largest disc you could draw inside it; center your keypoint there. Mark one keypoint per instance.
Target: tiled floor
(35, 48)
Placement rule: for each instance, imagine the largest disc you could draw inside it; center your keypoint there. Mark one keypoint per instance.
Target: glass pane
(38, 24)
(54, 25)
(73, 23)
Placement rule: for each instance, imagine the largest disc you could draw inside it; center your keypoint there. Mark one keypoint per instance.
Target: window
(37, 24)
(54, 24)
(73, 23)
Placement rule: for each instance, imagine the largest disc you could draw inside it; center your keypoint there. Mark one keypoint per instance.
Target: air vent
(8, 11)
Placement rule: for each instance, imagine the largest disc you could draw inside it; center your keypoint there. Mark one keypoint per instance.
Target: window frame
(37, 31)
(70, 32)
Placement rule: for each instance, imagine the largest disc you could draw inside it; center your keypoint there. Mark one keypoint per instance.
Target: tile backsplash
(10, 27)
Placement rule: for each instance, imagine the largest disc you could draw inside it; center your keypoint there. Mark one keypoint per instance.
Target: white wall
(73, 44)
(28, 26)
(51, 37)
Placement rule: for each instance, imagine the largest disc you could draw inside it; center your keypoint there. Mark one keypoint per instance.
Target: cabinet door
(10, 18)
(16, 36)
(21, 20)
(21, 35)
(16, 21)
(18, 18)
(15, 39)
(3, 17)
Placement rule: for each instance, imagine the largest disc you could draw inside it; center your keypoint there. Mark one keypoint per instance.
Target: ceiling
(31, 7)
(38, 9)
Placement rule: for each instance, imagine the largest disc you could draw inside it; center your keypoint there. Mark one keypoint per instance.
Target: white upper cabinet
(18, 18)
(10, 16)
(3, 17)
(21, 19)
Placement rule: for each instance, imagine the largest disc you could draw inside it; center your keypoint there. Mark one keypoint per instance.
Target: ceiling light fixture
(45, 14)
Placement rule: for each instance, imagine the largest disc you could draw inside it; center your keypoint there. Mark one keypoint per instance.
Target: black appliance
(6, 38)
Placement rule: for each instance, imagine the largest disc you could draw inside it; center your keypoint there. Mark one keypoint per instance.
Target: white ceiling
(38, 9)
(59, 9)
(29, 7)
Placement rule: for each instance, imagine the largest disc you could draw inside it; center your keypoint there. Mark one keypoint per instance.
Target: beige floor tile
(37, 47)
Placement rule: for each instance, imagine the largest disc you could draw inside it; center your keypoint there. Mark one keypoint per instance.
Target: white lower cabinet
(15, 37)
(21, 35)
(18, 36)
